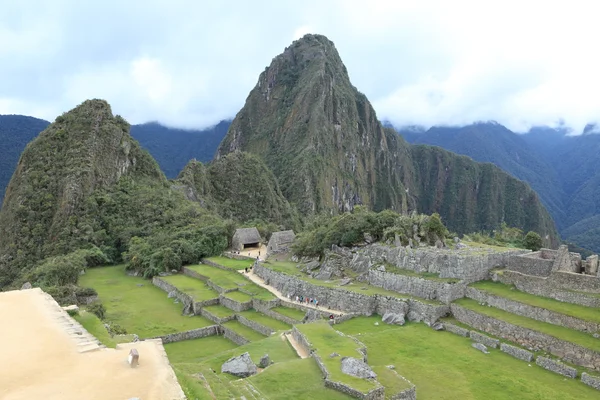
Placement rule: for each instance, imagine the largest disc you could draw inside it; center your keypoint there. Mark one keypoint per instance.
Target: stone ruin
(547, 261)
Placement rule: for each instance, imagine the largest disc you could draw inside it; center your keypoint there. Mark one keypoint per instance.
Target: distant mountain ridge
(564, 170)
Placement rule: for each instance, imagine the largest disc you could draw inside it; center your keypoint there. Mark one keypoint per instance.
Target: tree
(533, 241)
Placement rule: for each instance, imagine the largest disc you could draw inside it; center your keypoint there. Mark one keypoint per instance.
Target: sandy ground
(41, 358)
(254, 252)
(259, 281)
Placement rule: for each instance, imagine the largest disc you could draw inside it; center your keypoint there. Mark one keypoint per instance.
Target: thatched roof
(283, 237)
(246, 235)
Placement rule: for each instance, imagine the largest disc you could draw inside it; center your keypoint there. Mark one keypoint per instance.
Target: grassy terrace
(444, 366)
(232, 280)
(244, 331)
(325, 340)
(393, 383)
(238, 296)
(197, 349)
(231, 262)
(293, 313)
(510, 292)
(95, 326)
(197, 289)
(559, 332)
(219, 311)
(262, 319)
(289, 268)
(137, 305)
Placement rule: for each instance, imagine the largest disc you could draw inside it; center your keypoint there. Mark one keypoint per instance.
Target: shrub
(533, 241)
(98, 309)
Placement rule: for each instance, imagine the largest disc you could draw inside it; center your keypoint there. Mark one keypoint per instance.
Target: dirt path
(42, 356)
(299, 349)
(260, 282)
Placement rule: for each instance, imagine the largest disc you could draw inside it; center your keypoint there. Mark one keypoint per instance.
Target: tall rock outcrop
(321, 138)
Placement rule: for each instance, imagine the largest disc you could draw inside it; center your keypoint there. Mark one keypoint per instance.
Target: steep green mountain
(173, 148)
(85, 183)
(238, 186)
(324, 143)
(15, 132)
(492, 142)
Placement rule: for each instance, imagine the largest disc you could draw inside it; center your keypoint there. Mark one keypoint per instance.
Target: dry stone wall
(407, 394)
(208, 315)
(537, 313)
(192, 334)
(517, 352)
(457, 330)
(543, 287)
(374, 394)
(593, 381)
(183, 297)
(352, 302)
(234, 337)
(255, 325)
(528, 338)
(556, 366)
(573, 281)
(484, 339)
(424, 288)
(445, 262)
(531, 264)
(235, 305)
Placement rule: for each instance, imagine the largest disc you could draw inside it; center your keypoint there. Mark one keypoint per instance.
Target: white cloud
(190, 63)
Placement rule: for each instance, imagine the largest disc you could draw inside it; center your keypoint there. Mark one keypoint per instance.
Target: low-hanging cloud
(190, 64)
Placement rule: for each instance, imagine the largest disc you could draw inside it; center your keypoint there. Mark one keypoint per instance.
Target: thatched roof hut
(244, 238)
(280, 241)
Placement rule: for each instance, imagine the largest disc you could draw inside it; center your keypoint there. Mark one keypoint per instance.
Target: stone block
(557, 367)
(484, 339)
(457, 330)
(590, 380)
(480, 347)
(517, 352)
(134, 358)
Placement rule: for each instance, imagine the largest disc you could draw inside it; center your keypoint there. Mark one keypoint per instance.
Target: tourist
(296, 298)
(316, 303)
(330, 316)
(246, 269)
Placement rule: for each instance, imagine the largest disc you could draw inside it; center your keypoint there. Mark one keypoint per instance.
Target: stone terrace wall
(569, 352)
(193, 274)
(255, 325)
(517, 352)
(237, 256)
(212, 264)
(425, 288)
(280, 317)
(352, 302)
(543, 287)
(235, 305)
(192, 334)
(590, 380)
(407, 394)
(214, 318)
(574, 281)
(447, 263)
(556, 366)
(234, 337)
(301, 340)
(537, 313)
(183, 297)
(531, 264)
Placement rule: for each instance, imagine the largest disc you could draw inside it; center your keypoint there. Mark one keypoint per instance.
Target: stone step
(572, 346)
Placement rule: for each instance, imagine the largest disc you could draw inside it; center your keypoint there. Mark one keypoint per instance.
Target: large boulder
(393, 318)
(26, 286)
(481, 347)
(311, 315)
(240, 366)
(264, 362)
(358, 368)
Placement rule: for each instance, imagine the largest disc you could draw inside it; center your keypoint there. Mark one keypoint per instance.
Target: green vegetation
(393, 383)
(559, 332)
(510, 292)
(293, 313)
(262, 319)
(324, 341)
(199, 290)
(244, 331)
(195, 350)
(231, 262)
(444, 366)
(297, 379)
(137, 305)
(222, 278)
(238, 296)
(219, 311)
(532, 241)
(95, 326)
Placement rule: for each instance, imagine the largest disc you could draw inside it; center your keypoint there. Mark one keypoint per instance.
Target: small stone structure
(593, 381)
(516, 352)
(280, 242)
(556, 366)
(244, 238)
(134, 358)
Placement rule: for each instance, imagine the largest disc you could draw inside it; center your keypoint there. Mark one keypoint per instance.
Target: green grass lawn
(510, 292)
(199, 290)
(259, 292)
(297, 379)
(289, 268)
(293, 313)
(423, 275)
(444, 366)
(325, 340)
(262, 319)
(244, 331)
(222, 278)
(219, 311)
(238, 296)
(93, 325)
(231, 262)
(393, 383)
(188, 351)
(144, 310)
(559, 332)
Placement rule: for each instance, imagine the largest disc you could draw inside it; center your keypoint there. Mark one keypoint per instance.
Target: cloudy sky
(191, 63)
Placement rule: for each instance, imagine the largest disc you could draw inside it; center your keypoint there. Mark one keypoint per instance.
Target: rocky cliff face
(319, 135)
(325, 145)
